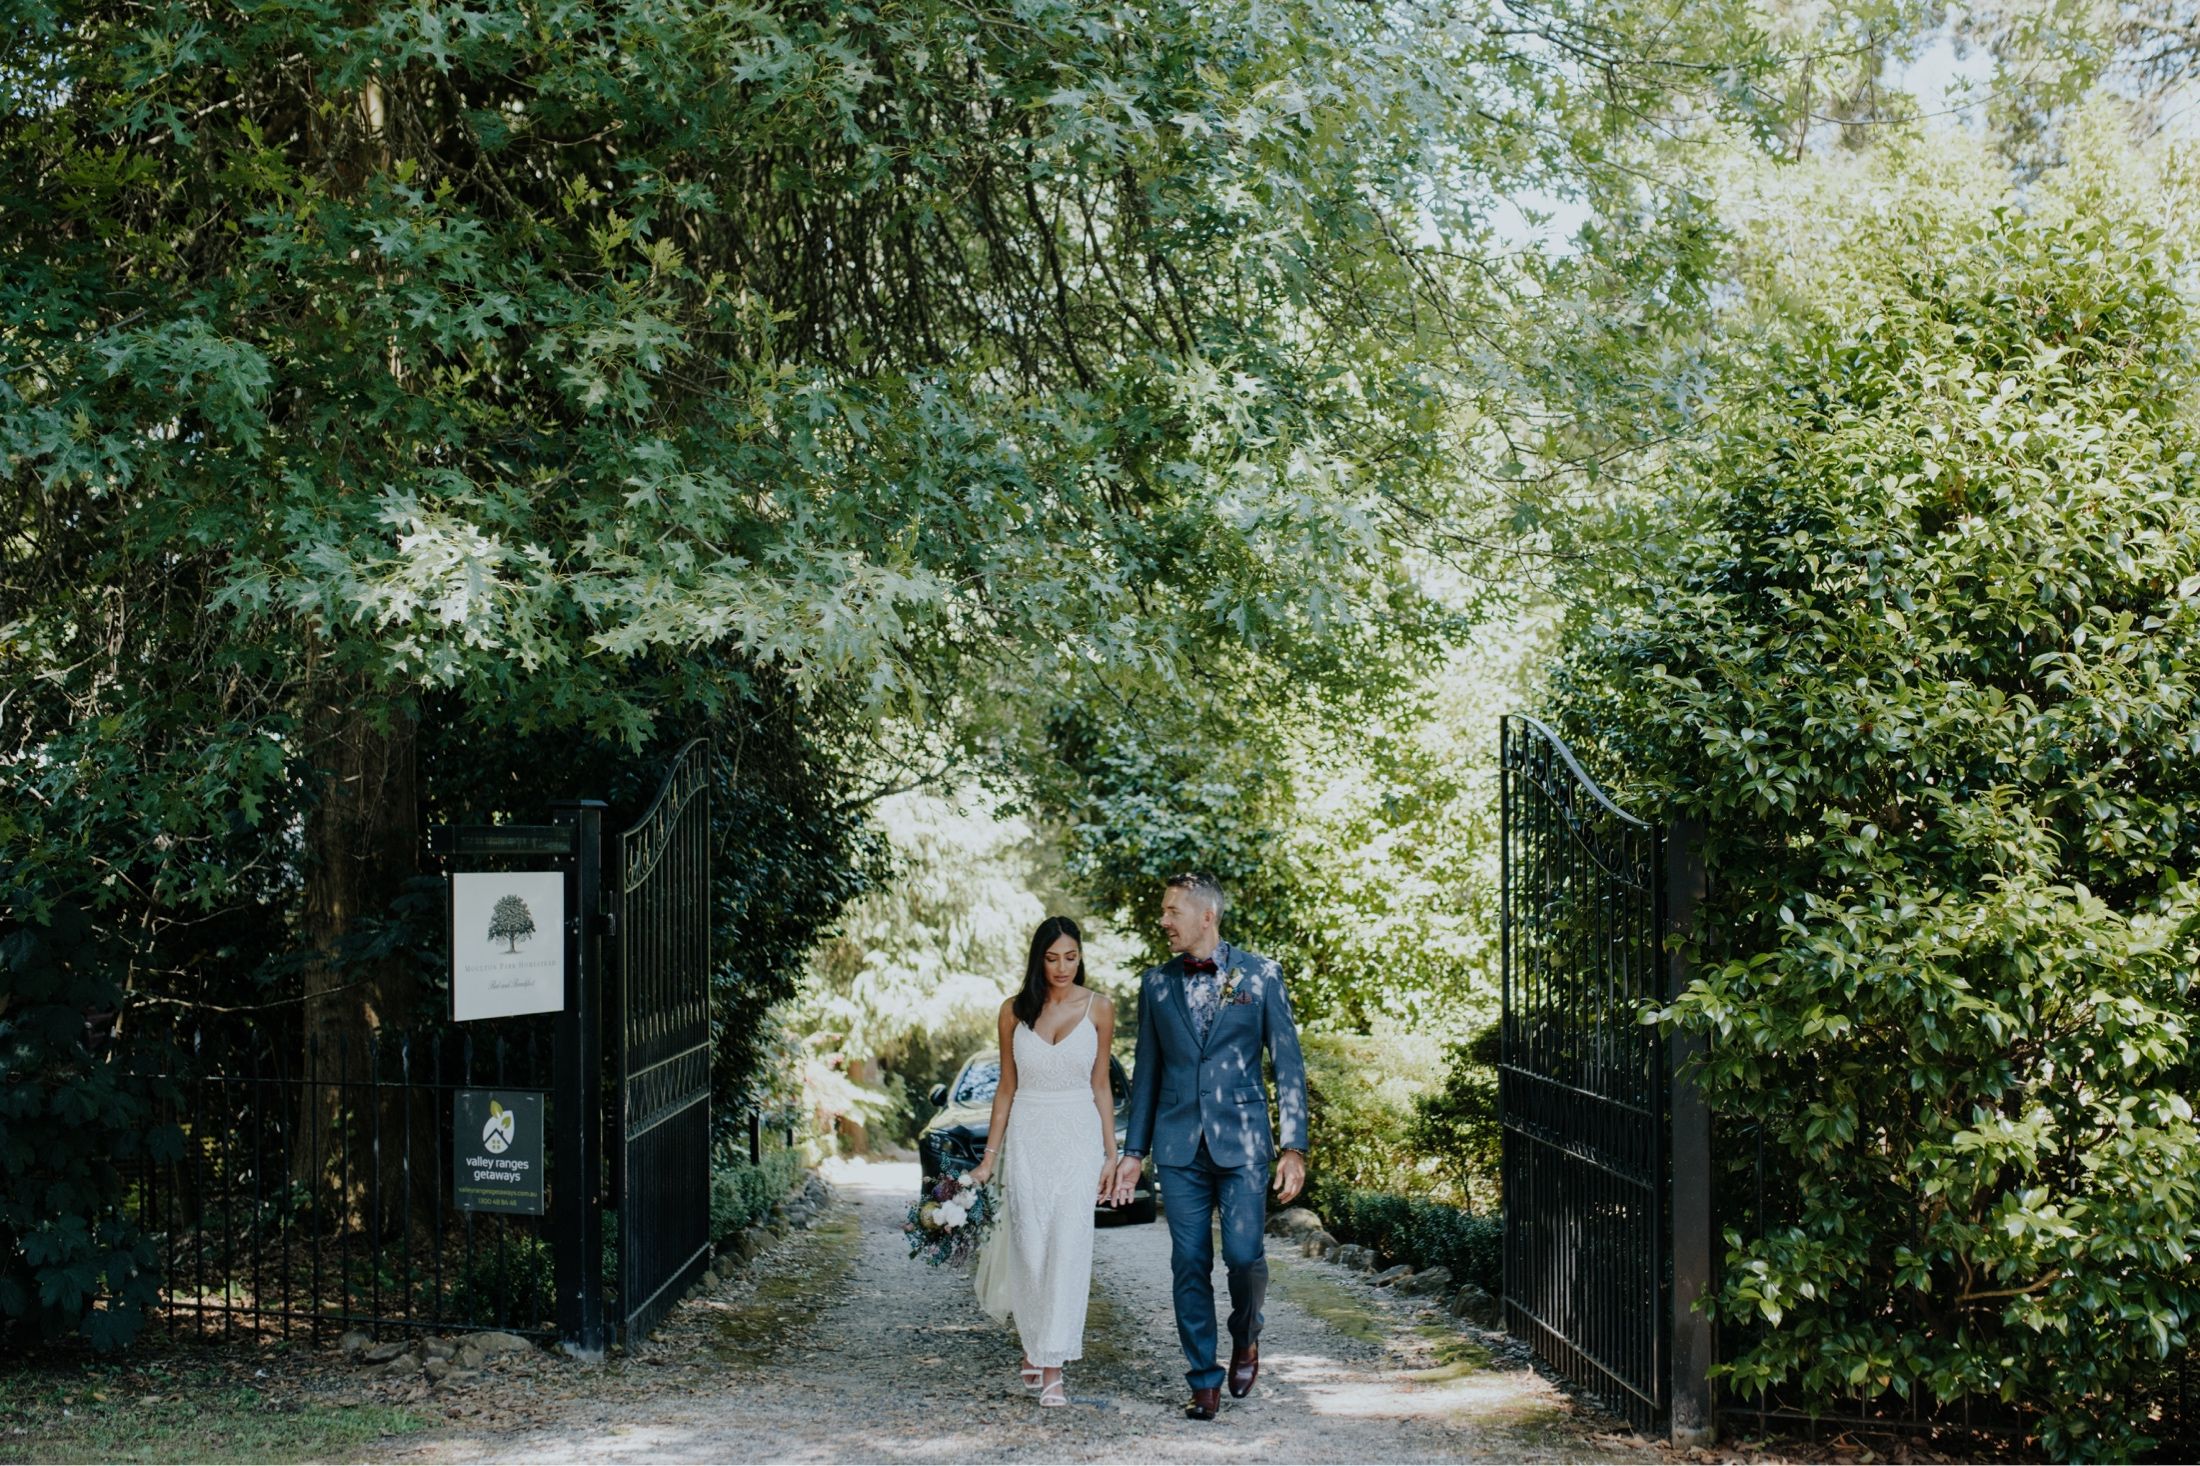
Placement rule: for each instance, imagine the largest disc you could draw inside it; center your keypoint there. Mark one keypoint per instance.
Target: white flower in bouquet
(948, 1224)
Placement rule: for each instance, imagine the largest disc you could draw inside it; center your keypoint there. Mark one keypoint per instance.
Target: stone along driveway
(835, 1346)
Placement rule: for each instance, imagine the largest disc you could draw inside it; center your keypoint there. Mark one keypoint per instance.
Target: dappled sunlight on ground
(848, 1350)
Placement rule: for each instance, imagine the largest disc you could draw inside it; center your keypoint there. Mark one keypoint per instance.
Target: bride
(1056, 1109)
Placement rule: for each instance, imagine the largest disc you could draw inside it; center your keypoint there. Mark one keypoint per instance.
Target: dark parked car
(954, 1139)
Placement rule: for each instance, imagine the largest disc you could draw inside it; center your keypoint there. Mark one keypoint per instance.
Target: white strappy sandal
(1032, 1374)
(1054, 1397)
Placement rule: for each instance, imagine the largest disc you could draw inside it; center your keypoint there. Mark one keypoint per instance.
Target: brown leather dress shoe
(1244, 1369)
(1204, 1404)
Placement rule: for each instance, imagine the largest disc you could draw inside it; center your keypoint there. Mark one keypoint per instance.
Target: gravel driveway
(836, 1347)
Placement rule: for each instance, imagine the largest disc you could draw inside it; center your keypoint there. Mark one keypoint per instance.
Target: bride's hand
(981, 1173)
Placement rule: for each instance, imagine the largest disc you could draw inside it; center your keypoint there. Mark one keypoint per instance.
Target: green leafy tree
(377, 385)
(915, 969)
(1915, 633)
(1367, 862)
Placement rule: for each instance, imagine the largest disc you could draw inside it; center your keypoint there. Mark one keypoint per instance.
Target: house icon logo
(496, 1135)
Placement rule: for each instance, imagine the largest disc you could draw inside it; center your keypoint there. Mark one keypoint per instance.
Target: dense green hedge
(742, 1194)
(1404, 1129)
(1365, 1093)
(1917, 634)
(1412, 1230)
(510, 1280)
(75, 1120)
(1455, 1124)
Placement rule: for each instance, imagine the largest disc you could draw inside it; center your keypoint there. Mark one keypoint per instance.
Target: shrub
(1456, 1125)
(1361, 1092)
(76, 1119)
(1916, 635)
(507, 1282)
(1412, 1230)
(740, 1193)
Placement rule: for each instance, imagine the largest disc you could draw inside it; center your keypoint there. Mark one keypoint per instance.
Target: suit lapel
(1172, 978)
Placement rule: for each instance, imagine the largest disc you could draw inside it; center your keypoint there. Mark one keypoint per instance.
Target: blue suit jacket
(1182, 1089)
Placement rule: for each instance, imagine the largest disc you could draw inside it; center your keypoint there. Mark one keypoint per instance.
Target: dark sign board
(498, 1150)
(501, 839)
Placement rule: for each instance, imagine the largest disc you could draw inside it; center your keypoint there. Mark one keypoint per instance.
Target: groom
(1203, 1018)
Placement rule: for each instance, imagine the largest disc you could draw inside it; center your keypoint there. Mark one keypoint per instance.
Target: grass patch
(1331, 1302)
(1456, 1357)
(178, 1410)
(1353, 1314)
(784, 1302)
(1114, 1344)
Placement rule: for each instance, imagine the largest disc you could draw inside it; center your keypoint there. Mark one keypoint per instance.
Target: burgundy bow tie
(1198, 964)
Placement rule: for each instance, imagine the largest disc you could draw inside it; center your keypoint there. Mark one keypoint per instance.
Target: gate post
(576, 1221)
(1693, 1420)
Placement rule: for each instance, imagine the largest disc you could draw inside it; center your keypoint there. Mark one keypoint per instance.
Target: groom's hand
(1290, 1176)
(1124, 1184)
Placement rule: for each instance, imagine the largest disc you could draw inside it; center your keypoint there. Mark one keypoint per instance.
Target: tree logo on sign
(497, 1134)
(511, 921)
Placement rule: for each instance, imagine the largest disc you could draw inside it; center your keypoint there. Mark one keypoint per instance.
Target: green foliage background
(1420, 1233)
(500, 394)
(1914, 632)
(912, 978)
(73, 1120)
(1367, 860)
(1151, 417)
(742, 1195)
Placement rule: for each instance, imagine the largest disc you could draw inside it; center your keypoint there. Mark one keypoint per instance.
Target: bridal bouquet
(949, 1224)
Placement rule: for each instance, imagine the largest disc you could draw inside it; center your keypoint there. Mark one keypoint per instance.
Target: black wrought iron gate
(1585, 1092)
(660, 1022)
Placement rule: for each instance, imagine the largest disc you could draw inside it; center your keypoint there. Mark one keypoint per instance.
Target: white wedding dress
(1038, 1263)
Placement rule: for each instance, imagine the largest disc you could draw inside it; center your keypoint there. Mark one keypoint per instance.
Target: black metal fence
(266, 1231)
(315, 1188)
(318, 1186)
(756, 1131)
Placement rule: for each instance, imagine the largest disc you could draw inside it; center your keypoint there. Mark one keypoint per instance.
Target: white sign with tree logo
(507, 943)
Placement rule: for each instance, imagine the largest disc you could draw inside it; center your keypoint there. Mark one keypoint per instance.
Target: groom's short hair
(1203, 886)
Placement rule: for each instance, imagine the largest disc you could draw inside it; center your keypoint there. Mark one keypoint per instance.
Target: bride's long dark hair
(1033, 996)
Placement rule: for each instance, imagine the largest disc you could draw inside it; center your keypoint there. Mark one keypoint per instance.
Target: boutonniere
(1230, 993)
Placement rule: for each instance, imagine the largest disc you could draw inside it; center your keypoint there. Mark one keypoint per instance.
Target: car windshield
(979, 1079)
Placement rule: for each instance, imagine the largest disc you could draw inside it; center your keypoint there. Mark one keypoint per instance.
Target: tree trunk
(362, 842)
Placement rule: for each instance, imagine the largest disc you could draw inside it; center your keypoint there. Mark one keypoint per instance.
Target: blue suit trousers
(1191, 1195)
